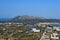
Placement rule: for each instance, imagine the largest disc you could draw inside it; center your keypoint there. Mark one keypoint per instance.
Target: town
(29, 19)
(37, 31)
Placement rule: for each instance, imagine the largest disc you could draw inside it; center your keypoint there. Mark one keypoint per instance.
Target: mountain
(31, 19)
(28, 19)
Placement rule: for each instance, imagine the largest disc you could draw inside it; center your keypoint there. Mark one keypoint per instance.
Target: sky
(38, 8)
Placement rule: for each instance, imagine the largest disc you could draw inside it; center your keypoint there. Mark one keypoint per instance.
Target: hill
(31, 19)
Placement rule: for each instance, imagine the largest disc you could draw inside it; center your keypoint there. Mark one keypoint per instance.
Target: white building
(49, 29)
(56, 28)
(41, 25)
(54, 36)
(35, 30)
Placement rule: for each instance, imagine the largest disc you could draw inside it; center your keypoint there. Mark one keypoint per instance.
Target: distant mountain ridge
(28, 19)
(32, 19)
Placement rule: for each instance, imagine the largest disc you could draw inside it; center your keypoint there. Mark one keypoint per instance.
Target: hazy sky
(40, 8)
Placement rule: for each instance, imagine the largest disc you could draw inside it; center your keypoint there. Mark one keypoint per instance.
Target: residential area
(38, 31)
(29, 19)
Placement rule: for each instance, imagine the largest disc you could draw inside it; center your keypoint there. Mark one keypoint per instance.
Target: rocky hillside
(32, 19)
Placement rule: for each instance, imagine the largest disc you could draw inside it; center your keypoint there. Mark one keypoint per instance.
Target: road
(44, 37)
